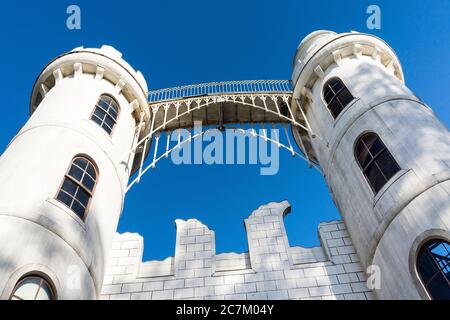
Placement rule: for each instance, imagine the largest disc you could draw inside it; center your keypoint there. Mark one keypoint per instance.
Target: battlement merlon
(269, 250)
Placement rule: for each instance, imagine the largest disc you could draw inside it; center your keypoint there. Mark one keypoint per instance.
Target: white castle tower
(64, 176)
(385, 156)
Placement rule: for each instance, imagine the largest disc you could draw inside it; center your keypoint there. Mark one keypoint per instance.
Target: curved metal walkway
(222, 105)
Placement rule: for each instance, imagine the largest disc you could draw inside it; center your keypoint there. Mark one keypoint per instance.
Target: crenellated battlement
(271, 269)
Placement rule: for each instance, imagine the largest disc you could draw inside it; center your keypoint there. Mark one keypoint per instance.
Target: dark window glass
(375, 160)
(105, 113)
(433, 266)
(78, 185)
(336, 95)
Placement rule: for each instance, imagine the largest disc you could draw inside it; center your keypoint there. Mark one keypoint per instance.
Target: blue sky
(185, 42)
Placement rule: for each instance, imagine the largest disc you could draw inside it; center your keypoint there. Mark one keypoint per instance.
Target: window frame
(326, 83)
(420, 251)
(110, 134)
(363, 170)
(79, 184)
(42, 280)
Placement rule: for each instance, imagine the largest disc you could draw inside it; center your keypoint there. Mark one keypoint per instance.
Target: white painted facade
(389, 227)
(87, 260)
(271, 269)
(40, 235)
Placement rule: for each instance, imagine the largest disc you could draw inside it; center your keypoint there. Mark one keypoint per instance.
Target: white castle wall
(388, 227)
(270, 270)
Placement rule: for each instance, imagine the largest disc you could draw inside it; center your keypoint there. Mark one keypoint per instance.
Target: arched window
(433, 267)
(33, 288)
(375, 160)
(105, 113)
(336, 95)
(77, 188)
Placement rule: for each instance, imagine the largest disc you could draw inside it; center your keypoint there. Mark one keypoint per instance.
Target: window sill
(391, 181)
(70, 213)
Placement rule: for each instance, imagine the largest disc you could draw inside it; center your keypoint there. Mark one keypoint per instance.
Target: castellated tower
(64, 176)
(384, 154)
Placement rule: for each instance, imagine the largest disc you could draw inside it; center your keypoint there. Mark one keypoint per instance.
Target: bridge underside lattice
(223, 105)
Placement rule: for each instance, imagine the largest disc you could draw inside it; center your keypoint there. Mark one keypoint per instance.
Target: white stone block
(141, 296)
(355, 296)
(298, 293)
(173, 284)
(162, 295)
(319, 291)
(196, 232)
(126, 261)
(326, 280)
(341, 288)
(353, 267)
(274, 275)
(286, 284)
(254, 277)
(194, 264)
(204, 291)
(331, 270)
(266, 285)
(232, 279)
(257, 296)
(153, 286)
(119, 253)
(111, 289)
(278, 295)
(347, 278)
(184, 293)
(204, 272)
(203, 239)
(224, 289)
(245, 288)
(115, 270)
(131, 287)
(359, 287)
(130, 245)
(240, 296)
(306, 282)
(294, 274)
(314, 272)
(214, 281)
(122, 296)
(194, 282)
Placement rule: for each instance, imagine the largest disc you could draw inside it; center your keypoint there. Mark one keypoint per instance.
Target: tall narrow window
(32, 288)
(433, 267)
(375, 160)
(336, 95)
(105, 113)
(78, 185)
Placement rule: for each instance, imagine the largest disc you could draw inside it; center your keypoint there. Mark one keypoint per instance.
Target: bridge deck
(221, 104)
(221, 110)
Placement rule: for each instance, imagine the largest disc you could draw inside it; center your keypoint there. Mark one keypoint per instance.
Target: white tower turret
(64, 176)
(385, 157)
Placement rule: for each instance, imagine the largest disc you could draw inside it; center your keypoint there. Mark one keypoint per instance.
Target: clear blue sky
(185, 42)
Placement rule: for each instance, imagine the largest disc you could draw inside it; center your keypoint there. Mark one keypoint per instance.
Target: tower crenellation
(271, 269)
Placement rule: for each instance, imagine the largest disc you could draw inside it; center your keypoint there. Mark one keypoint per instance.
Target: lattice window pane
(336, 96)
(105, 113)
(78, 186)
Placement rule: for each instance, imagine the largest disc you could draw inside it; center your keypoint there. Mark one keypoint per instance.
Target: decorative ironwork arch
(219, 104)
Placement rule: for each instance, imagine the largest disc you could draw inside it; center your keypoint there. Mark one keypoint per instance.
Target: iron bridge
(235, 105)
